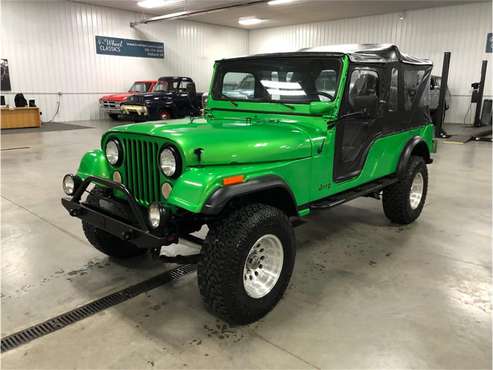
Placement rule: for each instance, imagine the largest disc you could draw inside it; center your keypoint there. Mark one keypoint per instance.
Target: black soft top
(362, 53)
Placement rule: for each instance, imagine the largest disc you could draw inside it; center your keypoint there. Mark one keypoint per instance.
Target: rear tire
(404, 200)
(114, 116)
(252, 245)
(104, 241)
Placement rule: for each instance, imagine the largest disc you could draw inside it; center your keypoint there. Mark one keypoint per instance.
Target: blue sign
(489, 43)
(129, 48)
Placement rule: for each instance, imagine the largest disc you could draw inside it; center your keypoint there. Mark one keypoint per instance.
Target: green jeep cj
(282, 134)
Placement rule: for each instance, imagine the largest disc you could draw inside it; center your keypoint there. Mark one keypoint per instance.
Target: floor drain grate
(56, 323)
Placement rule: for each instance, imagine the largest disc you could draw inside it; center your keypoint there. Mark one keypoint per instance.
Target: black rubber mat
(58, 322)
(45, 127)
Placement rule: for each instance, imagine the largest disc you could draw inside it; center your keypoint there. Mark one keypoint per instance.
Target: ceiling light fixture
(150, 4)
(250, 21)
(402, 16)
(167, 16)
(279, 2)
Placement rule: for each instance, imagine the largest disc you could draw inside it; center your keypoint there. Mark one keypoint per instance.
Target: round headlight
(113, 152)
(70, 183)
(168, 161)
(155, 213)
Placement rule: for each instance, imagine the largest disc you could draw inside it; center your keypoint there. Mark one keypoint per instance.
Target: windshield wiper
(269, 99)
(229, 99)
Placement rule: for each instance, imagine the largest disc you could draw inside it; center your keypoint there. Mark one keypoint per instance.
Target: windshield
(139, 87)
(166, 85)
(290, 80)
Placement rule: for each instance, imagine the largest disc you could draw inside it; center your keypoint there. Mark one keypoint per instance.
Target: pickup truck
(111, 103)
(172, 97)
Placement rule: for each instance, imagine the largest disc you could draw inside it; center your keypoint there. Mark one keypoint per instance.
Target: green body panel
(229, 141)
(94, 163)
(245, 138)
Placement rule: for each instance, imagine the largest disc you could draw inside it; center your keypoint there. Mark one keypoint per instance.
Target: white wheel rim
(416, 193)
(164, 116)
(263, 266)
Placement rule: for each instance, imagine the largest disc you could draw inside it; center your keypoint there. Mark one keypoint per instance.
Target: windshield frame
(216, 92)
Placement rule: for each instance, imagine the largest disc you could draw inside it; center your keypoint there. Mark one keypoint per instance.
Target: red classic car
(111, 103)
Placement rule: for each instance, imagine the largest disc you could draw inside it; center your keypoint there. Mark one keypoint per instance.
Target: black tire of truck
(105, 242)
(226, 262)
(164, 114)
(114, 116)
(404, 200)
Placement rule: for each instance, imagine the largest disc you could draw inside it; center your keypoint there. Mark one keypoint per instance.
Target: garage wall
(68, 62)
(461, 29)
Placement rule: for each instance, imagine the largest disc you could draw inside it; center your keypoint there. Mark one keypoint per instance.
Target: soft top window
(291, 80)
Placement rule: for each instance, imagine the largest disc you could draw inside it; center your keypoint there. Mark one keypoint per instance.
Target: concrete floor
(364, 294)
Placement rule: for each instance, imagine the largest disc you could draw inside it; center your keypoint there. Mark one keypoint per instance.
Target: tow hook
(75, 212)
(127, 235)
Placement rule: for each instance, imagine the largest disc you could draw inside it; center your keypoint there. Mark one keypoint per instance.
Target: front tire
(114, 116)
(247, 262)
(104, 241)
(404, 200)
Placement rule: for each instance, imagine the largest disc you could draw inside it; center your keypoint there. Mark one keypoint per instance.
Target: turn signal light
(234, 180)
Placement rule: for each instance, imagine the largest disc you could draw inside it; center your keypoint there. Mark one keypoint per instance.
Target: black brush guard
(139, 234)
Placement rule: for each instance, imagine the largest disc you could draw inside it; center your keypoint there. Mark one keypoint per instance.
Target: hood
(229, 142)
(116, 97)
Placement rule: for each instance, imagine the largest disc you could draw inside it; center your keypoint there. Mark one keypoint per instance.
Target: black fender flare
(220, 197)
(415, 143)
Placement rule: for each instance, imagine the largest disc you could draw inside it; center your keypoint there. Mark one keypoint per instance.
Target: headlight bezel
(119, 149)
(177, 157)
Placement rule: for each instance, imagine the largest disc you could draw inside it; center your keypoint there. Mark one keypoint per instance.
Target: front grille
(111, 105)
(136, 99)
(141, 174)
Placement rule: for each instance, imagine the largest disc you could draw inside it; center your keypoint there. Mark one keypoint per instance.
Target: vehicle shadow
(334, 247)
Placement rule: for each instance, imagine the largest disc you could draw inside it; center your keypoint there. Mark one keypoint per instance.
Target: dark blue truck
(172, 97)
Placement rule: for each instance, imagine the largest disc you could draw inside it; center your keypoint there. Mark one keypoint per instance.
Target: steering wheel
(327, 95)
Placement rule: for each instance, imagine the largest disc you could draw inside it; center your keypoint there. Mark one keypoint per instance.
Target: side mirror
(319, 107)
(367, 104)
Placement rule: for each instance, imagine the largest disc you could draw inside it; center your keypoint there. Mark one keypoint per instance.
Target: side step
(348, 195)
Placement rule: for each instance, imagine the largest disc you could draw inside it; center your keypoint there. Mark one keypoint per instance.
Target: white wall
(69, 63)
(50, 46)
(461, 29)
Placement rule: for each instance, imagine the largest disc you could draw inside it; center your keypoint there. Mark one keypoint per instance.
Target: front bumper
(110, 107)
(130, 109)
(136, 232)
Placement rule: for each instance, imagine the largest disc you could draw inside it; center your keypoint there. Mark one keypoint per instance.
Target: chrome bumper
(141, 110)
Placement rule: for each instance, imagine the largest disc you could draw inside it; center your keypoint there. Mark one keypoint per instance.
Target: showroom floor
(364, 294)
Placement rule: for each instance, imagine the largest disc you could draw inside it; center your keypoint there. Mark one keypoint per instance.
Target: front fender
(94, 163)
(196, 185)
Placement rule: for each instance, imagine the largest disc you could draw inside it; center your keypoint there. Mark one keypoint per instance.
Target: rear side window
(412, 80)
(394, 92)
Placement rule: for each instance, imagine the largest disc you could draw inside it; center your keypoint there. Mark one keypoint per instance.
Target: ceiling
(295, 12)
